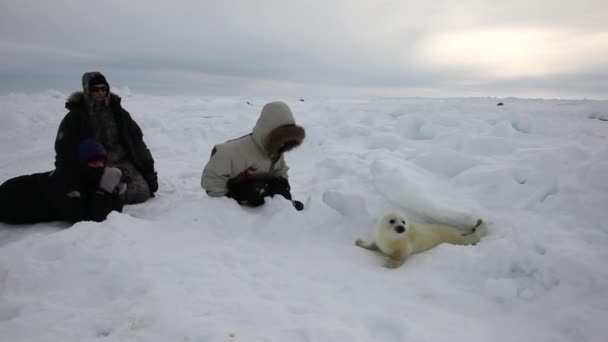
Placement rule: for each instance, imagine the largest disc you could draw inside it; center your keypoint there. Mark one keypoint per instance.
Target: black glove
(126, 177)
(279, 186)
(153, 182)
(248, 192)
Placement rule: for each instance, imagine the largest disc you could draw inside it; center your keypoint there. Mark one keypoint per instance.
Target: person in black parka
(53, 196)
(97, 113)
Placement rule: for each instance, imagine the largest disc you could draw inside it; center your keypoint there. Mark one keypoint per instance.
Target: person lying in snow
(51, 196)
(251, 167)
(97, 113)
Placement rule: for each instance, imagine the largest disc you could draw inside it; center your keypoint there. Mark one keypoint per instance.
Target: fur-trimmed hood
(79, 99)
(276, 130)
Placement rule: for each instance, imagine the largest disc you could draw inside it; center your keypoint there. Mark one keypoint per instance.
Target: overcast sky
(523, 48)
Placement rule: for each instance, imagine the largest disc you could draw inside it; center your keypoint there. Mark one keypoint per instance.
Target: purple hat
(89, 150)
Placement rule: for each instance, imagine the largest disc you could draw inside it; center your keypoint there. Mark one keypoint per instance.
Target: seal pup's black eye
(402, 221)
(391, 221)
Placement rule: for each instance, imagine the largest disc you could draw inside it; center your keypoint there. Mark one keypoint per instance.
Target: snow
(186, 267)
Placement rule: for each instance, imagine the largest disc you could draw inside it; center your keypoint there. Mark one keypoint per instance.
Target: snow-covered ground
(186, 267)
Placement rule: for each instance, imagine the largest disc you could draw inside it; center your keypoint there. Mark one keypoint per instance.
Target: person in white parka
(251, 167)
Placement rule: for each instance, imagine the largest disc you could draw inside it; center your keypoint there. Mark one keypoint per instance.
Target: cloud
(275, 45)
(516, 52)
(23, 56)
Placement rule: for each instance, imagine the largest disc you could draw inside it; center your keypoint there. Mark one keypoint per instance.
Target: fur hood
(276, 130)
(80, 99)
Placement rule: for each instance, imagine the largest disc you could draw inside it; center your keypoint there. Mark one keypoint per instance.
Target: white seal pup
(397, 237)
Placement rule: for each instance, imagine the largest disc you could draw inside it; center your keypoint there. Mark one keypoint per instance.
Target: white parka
(257, 154)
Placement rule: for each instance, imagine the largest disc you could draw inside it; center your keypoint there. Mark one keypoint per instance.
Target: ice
(186, 267)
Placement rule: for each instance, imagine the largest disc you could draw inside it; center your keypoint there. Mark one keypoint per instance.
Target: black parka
(76, 126)
(49, 196)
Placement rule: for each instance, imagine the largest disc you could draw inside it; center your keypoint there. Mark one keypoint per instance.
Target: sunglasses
(99, 88)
